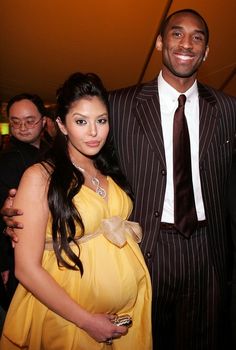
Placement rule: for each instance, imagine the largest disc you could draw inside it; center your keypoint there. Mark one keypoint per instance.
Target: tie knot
(182, 100)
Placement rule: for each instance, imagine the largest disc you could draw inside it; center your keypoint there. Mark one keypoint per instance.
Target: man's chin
(184, 73)
(25, 139)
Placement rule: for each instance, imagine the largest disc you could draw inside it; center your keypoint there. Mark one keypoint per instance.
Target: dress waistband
(114, 229)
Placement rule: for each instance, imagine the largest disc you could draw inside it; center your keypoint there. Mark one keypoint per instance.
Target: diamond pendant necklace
(94, 180)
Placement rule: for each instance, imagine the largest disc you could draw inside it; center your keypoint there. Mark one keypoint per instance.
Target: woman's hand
(101, 328)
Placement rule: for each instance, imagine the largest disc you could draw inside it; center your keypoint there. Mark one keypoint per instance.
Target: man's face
(26, 122)
(183, 45)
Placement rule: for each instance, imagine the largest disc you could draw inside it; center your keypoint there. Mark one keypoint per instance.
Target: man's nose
(22, 125)
(186, 42)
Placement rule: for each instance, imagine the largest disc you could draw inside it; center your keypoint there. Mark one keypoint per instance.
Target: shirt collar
(170, 95)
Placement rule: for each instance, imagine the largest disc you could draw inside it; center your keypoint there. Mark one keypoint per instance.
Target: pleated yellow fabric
(115, 280)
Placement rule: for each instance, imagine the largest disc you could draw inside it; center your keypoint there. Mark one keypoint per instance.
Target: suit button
(163, 172)
(148, 255)
(156, 214)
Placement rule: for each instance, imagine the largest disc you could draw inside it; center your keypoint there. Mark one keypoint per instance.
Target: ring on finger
(5, 231)
(109, 341)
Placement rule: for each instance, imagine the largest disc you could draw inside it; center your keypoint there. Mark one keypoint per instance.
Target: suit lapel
(207, 119)
(147, 112)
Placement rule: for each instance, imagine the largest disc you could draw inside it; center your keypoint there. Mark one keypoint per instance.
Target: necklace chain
(94, 181)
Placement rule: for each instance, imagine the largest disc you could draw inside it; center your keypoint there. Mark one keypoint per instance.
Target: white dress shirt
(168, 104)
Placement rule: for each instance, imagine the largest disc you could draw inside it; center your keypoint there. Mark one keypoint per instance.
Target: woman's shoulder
(38, 173)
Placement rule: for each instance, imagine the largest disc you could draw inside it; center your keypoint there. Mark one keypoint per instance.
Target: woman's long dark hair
(66, 180)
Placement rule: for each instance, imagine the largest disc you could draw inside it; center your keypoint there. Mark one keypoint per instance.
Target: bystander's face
(86, 127)
(51, 127)
(183, 46)
(26, 122)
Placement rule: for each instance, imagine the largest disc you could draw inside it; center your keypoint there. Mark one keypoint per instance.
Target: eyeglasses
(28, 123)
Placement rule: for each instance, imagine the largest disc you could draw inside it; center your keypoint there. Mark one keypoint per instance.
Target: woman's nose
(93, 130)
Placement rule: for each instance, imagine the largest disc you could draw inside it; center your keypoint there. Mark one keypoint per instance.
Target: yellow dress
(115, 280)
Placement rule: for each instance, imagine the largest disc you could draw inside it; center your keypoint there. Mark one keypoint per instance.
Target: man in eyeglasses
(26, 114)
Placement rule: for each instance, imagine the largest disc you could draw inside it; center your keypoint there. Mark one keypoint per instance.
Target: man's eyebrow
(28, 116)
(200, 31)
(176, 27)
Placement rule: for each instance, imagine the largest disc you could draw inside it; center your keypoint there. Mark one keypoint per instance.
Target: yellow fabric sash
(114, 229)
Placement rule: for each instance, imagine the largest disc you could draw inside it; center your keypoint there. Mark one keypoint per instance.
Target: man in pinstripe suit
(188, 274)
(232, 224)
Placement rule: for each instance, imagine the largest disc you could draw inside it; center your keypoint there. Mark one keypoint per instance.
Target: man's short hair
(193, 12)
(35, 99)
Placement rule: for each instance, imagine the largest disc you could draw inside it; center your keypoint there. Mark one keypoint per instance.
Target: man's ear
(206, 53)
(159, 43)
(61, 126)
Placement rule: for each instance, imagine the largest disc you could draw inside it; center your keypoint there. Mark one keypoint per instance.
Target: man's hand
(5, 276)
(7, 213)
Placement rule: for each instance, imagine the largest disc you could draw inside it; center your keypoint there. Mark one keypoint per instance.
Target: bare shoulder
(35, 181)
(38, 173)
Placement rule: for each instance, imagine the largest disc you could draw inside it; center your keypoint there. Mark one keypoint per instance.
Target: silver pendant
(99, 189)
(95, 182)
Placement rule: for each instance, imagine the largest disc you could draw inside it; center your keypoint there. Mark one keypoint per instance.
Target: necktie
(184, 205)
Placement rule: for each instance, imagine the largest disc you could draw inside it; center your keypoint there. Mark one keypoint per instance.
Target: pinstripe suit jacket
(136, 126)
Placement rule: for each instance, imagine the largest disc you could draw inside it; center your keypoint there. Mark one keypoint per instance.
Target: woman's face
(86, 126)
